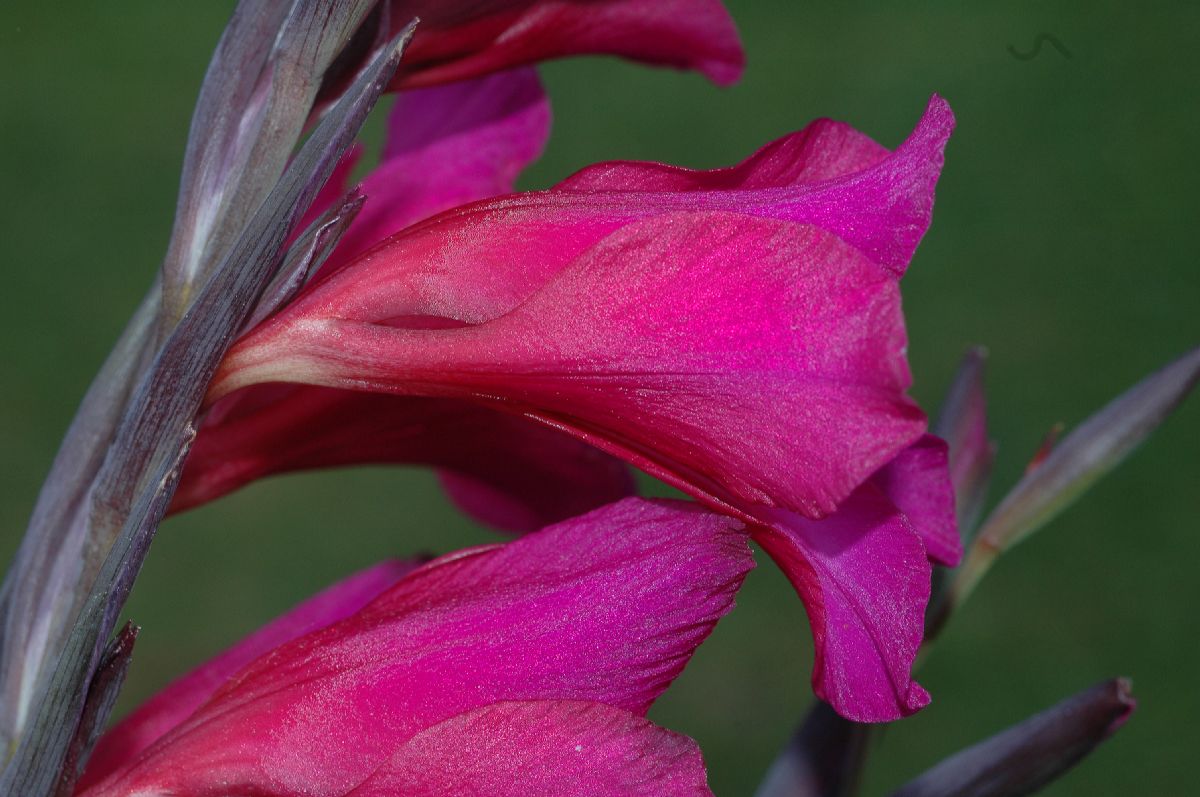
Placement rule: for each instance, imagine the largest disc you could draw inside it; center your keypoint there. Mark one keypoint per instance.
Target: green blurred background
(1063, 239)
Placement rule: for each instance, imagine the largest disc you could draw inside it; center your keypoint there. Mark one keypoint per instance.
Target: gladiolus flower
(736, 333)
(655, 322)
(522, 669)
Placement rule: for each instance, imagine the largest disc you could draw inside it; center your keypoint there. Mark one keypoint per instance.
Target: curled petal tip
(938, 122)
(864, 576)
(933, 131)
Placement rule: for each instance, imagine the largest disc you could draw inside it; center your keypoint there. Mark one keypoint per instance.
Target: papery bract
(736, 333)
(513, 664)
(1028, 756)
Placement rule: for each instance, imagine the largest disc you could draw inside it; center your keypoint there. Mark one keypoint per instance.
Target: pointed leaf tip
(1089, 452)
(1027, 756)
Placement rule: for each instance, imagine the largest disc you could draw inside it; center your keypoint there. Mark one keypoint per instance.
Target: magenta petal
(505, 470)
(561, 748)
(736, 333)
(605, 608)
(828, 175)
(447, 146)
(823, 150)
(455, 41)
(177, 701)
(918, 482)
(479, 261)
(864, 577)
(744, 360)
(893, 200)
(534, 477)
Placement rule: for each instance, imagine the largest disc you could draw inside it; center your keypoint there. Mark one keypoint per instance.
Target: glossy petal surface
(864, 577)
(918, 481)
(445, 145)
(604, 608)
(178, 700)
(568, 749)
(736, 333)
(683, 298)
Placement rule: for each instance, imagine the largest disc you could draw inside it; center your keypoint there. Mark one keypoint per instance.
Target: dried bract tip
(306, 254)
(1049, 440)
(257, 97)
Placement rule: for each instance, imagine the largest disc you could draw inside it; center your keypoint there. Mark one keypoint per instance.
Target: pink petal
(447, 146)
(712, 329)
(849, 185)
(745, 360)
(607, 607)
(823, 150)
(128, 738)
(918, 482)
(561, 748)
(864, 577)
(455, 41)
(479, 261)
(504, 470)
(860, 575)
